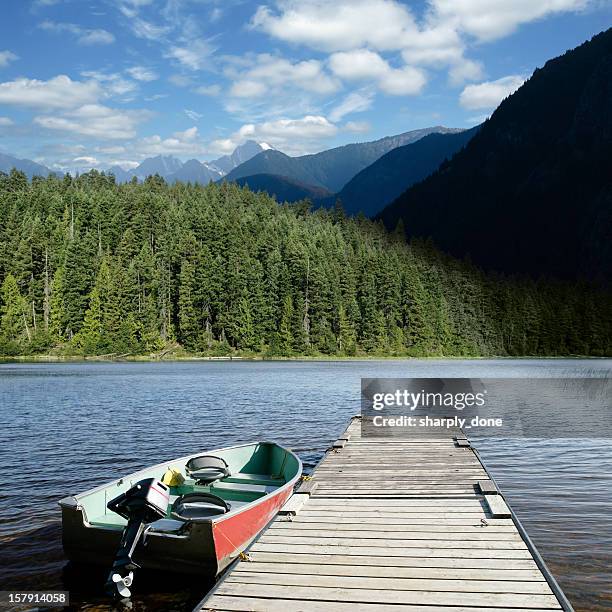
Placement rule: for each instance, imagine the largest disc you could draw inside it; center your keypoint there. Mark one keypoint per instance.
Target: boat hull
(203, 547)
(233, 534)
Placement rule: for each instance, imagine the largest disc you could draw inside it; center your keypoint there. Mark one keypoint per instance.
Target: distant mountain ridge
(193, 170)
(166, 166)
(27, 166)
(241, 154)
(283, 188)
(370, 190)
(330, 169)
(532, 191)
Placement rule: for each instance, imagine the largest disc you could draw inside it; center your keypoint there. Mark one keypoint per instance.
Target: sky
(94, 84)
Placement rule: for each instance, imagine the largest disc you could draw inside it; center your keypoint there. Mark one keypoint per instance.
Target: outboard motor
(145, 503)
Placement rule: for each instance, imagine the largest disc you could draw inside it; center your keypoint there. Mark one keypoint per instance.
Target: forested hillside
(89, 266)
(388, 177)
(532, 191)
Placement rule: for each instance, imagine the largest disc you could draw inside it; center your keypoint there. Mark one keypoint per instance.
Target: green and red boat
(194, 514)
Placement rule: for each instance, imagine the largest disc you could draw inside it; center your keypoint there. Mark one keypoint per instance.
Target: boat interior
(202, 487)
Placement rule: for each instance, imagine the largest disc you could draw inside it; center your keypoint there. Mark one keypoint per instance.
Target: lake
(67, 427)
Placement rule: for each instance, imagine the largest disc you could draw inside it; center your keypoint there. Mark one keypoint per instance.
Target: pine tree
(189, 326)
(13, 321)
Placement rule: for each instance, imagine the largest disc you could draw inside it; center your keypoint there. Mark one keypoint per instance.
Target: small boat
(193, 515)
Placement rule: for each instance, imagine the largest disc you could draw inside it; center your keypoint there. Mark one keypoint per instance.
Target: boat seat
(260, 479)
(207, 468)
(198, 506)
(166, 525)
(244, 488)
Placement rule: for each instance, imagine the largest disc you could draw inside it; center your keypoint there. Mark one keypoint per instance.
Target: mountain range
(27, 166)
(330, 169)
(191, 171)
(370, 174)
(166, 166)
(532, 190)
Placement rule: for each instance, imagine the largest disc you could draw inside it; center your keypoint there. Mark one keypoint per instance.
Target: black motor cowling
(145, 503)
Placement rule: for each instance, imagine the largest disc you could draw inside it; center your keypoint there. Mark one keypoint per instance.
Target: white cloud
(355, 102)
(180, 80)
(309, 127)
(96, 37)
(6, 57)
(111, 150)
(438, 40)
(6, 122)
(358, 64)
(465, 70)
(491, 19)
(340, 25)
(356, 127)
(141, 73)
(270, 73)
(86, 160)
(406, 81)
(84, 36)
(364, 64)
(223, 146)
(194, 56)
(147, 30)
(112, 84)
(60, 92)
(293, 136)
(97, 121)
(41, 3)
(208, 90)
(185, 143)
(490, 93)
(156, 97)
(193, 115)
(246, 88)
(435, 44)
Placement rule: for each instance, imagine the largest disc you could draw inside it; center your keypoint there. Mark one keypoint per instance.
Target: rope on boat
(242, 555)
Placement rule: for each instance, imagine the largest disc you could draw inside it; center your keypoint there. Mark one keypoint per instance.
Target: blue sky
(87, 84)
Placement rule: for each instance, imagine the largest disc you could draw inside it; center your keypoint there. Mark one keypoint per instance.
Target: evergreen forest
(92, 267)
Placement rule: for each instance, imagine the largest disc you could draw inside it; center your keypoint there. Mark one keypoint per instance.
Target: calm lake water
(68, 427)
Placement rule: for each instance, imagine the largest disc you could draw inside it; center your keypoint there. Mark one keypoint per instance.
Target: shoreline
(175, 358)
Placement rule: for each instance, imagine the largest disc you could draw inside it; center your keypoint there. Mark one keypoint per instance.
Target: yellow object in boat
(173, 477)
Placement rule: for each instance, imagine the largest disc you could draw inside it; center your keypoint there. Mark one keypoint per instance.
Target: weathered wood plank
(393, 521)
(308, 487)
(524, 602)
(393, 561)
(284, 567)
(391, 551)
(380, 526)
(487, 487)
(395, 583)
(497, 506)
(232, 603)
(272, 537)
(485, 535)
(294, 504)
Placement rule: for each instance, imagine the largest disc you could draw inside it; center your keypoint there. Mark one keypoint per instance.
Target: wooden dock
(383, 524)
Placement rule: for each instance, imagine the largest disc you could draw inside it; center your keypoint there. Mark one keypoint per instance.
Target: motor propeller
(143, 504)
